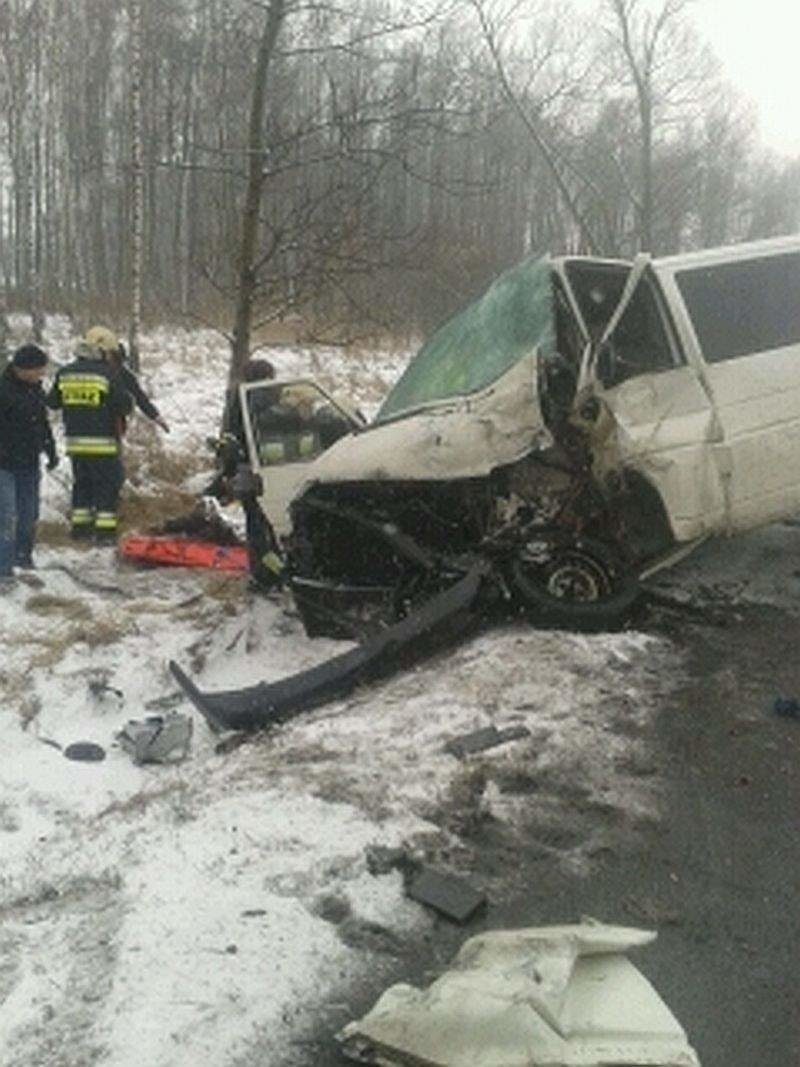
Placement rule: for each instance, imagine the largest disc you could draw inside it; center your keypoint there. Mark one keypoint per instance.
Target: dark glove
(246, 483)
(52, 460)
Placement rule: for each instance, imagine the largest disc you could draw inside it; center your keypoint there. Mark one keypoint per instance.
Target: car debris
(552, 996)
(487, 737)
(100, 689)
(446, 893)
(84, 751)
(156, 739)
(451, 614)
(381, 859)
(786, 707)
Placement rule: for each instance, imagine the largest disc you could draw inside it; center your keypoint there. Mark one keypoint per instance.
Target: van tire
(580, 585)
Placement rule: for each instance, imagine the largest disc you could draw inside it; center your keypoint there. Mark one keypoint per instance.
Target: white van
(582, 423)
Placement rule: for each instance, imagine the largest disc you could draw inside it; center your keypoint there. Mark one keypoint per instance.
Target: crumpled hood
(465, 437)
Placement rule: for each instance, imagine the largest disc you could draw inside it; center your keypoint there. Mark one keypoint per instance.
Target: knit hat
(28, 357)
(257, 370)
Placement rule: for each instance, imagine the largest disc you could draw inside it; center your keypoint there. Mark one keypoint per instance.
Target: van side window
(642, 342)
(740, 308)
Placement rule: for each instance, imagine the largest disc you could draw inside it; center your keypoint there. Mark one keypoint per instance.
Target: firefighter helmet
(101, 337)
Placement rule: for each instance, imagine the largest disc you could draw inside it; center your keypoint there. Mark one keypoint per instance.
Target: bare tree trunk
(534, 131)
(137, 179)
(240, 348)
(35, 202)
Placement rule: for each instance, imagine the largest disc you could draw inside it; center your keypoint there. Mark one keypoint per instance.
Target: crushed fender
(441, 620)
(555, 996)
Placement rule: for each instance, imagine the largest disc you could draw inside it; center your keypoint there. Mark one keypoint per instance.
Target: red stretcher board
(182, 552)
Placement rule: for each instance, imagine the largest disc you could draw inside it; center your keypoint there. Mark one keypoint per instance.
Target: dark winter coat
(24, 428)
(132, 384)
(93, 402)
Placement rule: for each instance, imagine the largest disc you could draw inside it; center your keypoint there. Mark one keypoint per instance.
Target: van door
(744, 314)
(287, 425)
(655, 415)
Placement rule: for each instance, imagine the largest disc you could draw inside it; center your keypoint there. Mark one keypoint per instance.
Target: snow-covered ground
(190, 913)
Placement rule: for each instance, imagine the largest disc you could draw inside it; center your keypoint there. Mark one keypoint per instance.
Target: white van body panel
(720, 441)
(756, 401)
(465, 437)
(663, 426)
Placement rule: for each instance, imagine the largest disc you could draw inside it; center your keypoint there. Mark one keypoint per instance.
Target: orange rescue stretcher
(182, 552)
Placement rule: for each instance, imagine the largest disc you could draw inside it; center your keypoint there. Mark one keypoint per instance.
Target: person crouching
(24, 434)
(93, 404)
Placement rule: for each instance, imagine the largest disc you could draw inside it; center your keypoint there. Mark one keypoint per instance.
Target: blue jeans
(19, 510)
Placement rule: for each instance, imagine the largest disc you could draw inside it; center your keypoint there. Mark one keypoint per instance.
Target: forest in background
(403, 155)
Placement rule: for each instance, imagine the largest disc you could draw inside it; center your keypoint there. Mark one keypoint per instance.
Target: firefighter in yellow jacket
(93, 404)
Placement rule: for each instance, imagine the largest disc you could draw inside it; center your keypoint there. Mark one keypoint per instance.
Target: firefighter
(119, 366)
(94, 405)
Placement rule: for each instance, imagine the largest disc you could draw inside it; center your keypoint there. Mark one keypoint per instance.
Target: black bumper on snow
(333, 609)
(444, 618)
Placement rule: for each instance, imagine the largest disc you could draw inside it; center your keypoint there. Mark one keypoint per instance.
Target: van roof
(726, 253)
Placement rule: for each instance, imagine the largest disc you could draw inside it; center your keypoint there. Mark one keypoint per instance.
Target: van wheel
(577, 585)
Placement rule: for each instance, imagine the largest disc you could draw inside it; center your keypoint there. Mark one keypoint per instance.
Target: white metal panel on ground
(561, 996)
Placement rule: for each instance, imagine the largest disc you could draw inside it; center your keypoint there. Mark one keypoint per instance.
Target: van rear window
(740, 308)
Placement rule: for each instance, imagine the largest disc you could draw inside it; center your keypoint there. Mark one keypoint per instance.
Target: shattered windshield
(481, 342)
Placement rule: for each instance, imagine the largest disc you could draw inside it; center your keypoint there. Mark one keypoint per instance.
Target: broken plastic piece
(86, 751)
(157, 739)
(446, 893)
(557, 996)
(381, 859)
(786, 707)
(480, 740)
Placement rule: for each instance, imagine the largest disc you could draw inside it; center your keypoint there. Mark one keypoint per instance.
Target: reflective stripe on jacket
(91, 446)
(105, 520)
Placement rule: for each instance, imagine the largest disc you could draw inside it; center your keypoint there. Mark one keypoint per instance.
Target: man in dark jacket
(94, 404)
(236, 480)
(24, 434)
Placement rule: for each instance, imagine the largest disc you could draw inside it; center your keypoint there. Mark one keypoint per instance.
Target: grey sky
(757, 43)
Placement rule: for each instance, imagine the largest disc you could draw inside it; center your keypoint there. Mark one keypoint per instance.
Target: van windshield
(479, 344)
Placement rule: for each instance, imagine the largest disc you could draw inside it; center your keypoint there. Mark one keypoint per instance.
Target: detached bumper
(439, 622)
(328, 609)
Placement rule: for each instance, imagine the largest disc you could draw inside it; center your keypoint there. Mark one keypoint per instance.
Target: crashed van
(583, 423)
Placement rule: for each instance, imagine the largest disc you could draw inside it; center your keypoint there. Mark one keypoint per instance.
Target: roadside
(718, 874)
